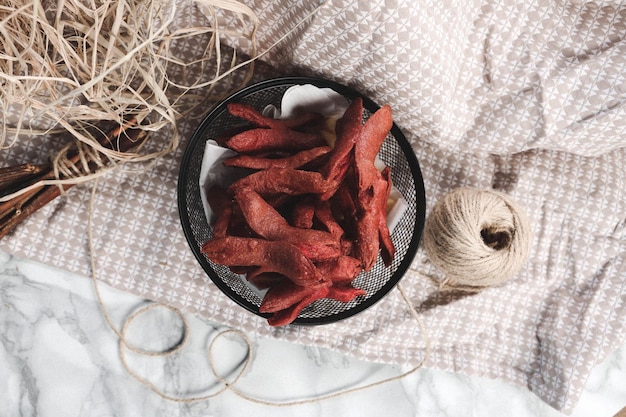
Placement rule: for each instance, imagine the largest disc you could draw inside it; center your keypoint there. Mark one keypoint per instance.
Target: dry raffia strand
(87, 69)
(72, 64)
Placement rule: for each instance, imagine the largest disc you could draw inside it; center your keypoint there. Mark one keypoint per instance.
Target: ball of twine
(478, 238)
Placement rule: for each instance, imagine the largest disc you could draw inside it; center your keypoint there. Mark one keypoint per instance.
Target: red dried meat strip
(324, 214)
(281, 257)
(344, 293)
(296, 160)
(288, 315)
(286, 300)
(264, 280)
(302, 213)
(283, 181)
(270, 224)
(282, 295)
(250, 114)
(387, 247)
(264, 140)
(233, 223)
(348, 130)
(221, 205)
(341, 270)
(343, 201)
(367, 242)
(347, 246)
(368, 145)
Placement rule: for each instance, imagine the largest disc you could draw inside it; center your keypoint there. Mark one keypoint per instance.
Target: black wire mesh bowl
(395, 152)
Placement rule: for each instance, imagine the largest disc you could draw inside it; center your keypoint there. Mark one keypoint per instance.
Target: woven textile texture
(527, 98)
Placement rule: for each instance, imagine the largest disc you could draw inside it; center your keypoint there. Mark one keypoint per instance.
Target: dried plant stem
(10, 176)
(39, 199)
(16, 204)
(70, 64)
(36, 191)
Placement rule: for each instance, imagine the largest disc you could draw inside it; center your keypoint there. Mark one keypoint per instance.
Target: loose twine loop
(478, 238)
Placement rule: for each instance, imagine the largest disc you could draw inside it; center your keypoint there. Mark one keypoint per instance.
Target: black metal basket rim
(349, 93)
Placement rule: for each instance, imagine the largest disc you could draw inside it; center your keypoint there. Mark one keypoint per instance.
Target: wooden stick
(12, 177)
(16, 203)
(14, 211)
(42, 197)
(8, 174)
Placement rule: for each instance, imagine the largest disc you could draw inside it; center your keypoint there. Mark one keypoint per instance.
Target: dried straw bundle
(72, 63)
(88, 67)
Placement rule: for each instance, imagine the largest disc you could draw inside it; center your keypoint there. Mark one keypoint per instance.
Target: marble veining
(59, 357)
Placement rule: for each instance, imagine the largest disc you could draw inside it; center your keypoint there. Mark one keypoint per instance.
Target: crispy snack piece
(268, 223)
(296, 160)
(281, 257)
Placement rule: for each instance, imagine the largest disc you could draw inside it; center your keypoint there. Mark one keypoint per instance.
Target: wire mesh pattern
(395, 153)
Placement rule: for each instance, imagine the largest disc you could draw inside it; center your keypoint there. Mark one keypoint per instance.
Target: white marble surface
(58, 357)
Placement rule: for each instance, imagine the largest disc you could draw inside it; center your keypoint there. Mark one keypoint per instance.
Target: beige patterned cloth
(525, 97)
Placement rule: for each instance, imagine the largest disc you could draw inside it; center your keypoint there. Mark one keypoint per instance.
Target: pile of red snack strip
(309, 217)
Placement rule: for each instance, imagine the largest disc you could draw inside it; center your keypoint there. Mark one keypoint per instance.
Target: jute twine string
(478, 238)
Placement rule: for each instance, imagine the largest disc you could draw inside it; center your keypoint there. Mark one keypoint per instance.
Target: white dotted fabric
(523, 97)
